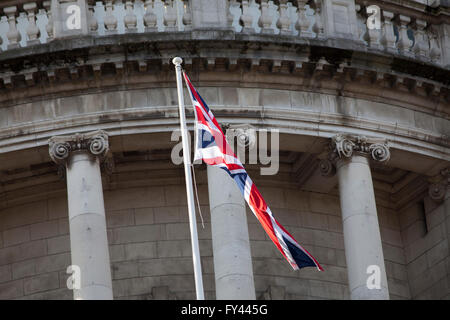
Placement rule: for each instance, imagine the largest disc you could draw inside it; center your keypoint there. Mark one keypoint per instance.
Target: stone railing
(412, 33)
(31, 23)
(24, 24)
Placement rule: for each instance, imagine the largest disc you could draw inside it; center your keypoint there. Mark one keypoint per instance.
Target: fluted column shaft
(231, 245)
(81, 155)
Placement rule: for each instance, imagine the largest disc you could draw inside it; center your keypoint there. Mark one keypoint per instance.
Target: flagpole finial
(177, 61)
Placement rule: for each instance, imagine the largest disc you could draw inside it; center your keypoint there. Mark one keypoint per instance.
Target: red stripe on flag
(259, 205)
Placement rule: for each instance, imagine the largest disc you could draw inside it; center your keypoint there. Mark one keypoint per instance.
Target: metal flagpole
(190, 196)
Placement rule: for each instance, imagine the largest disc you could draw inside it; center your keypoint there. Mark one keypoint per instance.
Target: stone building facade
(364, 123)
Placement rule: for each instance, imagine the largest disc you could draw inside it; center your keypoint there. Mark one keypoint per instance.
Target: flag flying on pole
(211, 147)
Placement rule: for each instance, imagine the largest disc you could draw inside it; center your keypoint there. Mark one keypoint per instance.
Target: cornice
(143, 66)
(144, 120)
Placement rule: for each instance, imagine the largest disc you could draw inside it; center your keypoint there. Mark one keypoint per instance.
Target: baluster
(246, 19)
(49, 27)
(32, 30)
(421, 47)
(302, 24)
(170, 16)
(435, 49)
(93, 24)
(187, 17)
(374, 37)
(130, 19)
(110, 19)
(230, 17)
(318, 25)
(265, 20)
(13, 34)
(284, 22)
(388, 36)
(361, 19)
(150, 19)
(404, 43)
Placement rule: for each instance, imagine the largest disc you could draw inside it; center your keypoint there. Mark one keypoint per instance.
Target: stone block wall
(150, 251)
(394, 254)
(314, 221)
(426, 243)
(35, 251)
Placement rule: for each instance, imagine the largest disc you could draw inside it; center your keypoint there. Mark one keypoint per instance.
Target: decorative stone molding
(344, 146)
(327, 167)
(245, 135)
(439, 185)
(95, 142)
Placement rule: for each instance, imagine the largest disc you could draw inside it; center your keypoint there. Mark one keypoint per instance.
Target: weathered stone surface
(428, 278)
(438, 253)
(140, 198)
(41, 283)
(137, 234)
(16, 236)
(309, 95)
(392, 237)
(119, 218)
(139, 251)
(328, 290)
(164, 267)
(23, 215)
(53, 262)
(5, 273)
(144, 216)
(58, 244)
(393, 253)
(117, 252)
(135, 286)
(399, 288)
(433, 237)
(44, 230)
(23, 269)
(23, 251)
(124, 269)
(11, 289)
(174, 248)
(315, 220)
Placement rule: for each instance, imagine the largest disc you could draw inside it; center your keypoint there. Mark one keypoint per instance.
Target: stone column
(81, 155)
(231, 245)
(362, 240)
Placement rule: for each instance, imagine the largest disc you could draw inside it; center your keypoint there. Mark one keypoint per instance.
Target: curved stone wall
(310, 69)
(150, 252)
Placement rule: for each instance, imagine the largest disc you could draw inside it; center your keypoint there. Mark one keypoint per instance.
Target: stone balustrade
(407, 35)
(412, 33)
(31, 23)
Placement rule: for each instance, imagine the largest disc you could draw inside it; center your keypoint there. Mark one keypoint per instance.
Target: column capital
(345, 146)
(244, 133)
(439, 185)
(96, 143)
